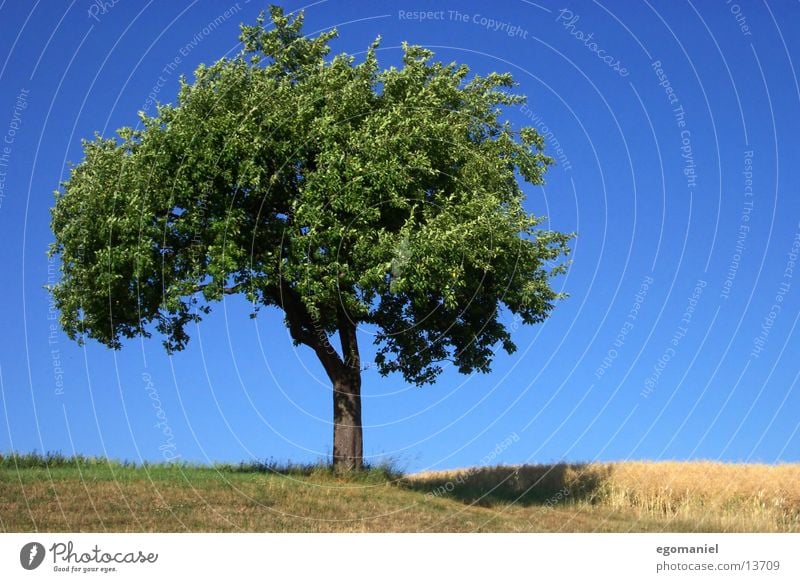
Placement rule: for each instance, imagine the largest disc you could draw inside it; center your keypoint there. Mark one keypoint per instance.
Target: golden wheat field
(725, 496)
(89, 494)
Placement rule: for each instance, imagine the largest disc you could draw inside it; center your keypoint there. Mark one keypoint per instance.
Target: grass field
(54, 493)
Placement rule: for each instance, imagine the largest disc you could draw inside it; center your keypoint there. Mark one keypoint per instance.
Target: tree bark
(348, 448)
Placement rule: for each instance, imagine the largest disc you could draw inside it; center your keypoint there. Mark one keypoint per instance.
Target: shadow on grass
(547, 485)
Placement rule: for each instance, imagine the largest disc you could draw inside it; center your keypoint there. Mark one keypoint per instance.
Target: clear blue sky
(677, 124)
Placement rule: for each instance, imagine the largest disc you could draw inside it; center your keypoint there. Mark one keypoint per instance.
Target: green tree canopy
(341, 193)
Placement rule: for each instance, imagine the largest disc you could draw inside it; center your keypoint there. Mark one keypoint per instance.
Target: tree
(340, 193)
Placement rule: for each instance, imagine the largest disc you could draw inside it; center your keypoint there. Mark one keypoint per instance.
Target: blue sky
(675, 128)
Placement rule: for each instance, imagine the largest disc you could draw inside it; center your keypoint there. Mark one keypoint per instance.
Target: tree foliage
(339, 192)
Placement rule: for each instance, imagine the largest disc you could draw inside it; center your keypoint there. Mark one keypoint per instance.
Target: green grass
(56, 493)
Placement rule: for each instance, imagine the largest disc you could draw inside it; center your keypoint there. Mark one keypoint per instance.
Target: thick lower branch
(225, 290)
(349, 339)
(302, 330)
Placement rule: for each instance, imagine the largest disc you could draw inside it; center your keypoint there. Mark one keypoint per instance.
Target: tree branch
(225, 290)
(303, 330)
(349, 339)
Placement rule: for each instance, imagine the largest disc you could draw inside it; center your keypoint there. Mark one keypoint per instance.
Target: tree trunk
(348, 448)
(344, 372)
